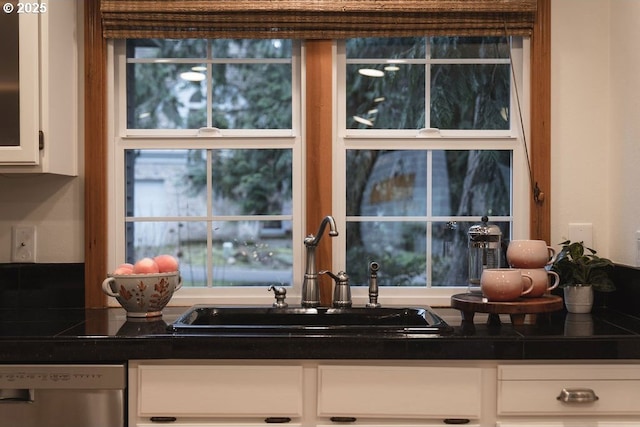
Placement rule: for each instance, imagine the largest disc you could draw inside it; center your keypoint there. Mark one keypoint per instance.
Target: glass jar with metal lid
(485, 244)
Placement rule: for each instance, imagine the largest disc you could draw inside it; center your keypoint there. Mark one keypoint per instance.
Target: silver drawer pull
(577, 395)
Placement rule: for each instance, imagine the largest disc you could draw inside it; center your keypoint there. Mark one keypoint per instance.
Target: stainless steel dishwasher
(62, 395)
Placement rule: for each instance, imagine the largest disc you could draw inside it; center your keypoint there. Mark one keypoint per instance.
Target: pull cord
(538, 195)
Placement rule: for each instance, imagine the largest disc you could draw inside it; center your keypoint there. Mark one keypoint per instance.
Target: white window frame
(428, 139)
(122, 139)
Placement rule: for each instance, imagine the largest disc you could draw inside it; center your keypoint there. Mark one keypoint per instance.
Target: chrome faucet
(310, 287)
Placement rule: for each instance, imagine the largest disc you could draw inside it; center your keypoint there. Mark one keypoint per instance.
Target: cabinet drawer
(534, 390)
(399, 392)
(577, 422)
(217, 391)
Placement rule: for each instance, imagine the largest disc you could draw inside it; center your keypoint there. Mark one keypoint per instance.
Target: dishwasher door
(62, 395)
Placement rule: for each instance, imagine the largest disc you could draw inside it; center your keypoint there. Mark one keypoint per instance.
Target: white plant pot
(578, 299)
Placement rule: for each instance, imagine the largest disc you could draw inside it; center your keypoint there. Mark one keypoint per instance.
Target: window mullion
(427, 86)
(429, 224)
(209, 247)
(209, 102)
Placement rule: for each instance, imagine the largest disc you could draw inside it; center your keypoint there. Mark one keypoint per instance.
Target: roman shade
(314, 19)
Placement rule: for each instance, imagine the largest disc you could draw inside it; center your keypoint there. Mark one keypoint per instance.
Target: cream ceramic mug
(504, 284)
(530, 254)
(541, 282)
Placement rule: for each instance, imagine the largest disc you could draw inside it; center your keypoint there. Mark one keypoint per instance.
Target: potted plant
(581, 272)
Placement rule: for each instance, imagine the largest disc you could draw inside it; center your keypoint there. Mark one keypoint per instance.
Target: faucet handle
(342, 290)
(332, 275)
(280, 294)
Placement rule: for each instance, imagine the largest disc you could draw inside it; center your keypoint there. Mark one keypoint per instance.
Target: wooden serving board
(523, 310)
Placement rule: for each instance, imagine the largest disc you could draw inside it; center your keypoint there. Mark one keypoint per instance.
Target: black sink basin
(202, 319)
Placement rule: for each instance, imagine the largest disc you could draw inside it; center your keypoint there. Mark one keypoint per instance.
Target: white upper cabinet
(39, 81)
(19, 89)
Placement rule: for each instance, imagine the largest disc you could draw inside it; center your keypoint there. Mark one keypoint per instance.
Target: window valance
(314, 19)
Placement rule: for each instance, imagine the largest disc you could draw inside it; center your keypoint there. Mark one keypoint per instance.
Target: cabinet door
(221, 423)
(399, 392)
(438, 423)
(19, 89)
(214, 391)
(573, 423)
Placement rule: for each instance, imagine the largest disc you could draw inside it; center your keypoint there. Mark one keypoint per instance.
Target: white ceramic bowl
(142, 295)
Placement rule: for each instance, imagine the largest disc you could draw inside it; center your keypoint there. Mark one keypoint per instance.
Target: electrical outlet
(23, 247)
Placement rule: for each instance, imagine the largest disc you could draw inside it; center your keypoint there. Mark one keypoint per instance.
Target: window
(207, 159)
(208, 152)
(429, 141)
(125, 19)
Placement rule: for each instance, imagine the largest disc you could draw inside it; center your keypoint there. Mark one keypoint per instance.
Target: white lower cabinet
(373, 393)
(568, 395)
(225, 394)
(583, 422)
(306, 393)
(361, 394)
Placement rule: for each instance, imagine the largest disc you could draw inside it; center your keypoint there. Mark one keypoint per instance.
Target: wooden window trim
(318, 141)
(95, 155)
(540, 152)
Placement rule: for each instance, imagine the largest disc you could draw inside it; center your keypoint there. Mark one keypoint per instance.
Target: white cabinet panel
(534, 390)
(575, 423)
(220, 423)
(399, 392)
(220, 391)
(439, 423)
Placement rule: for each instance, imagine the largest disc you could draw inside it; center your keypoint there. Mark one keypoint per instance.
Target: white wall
(624, 208)
(579, 117)
(595, 131)
(54, 204)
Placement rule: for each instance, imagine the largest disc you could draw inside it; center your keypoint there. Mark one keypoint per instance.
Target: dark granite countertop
(106, 335)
